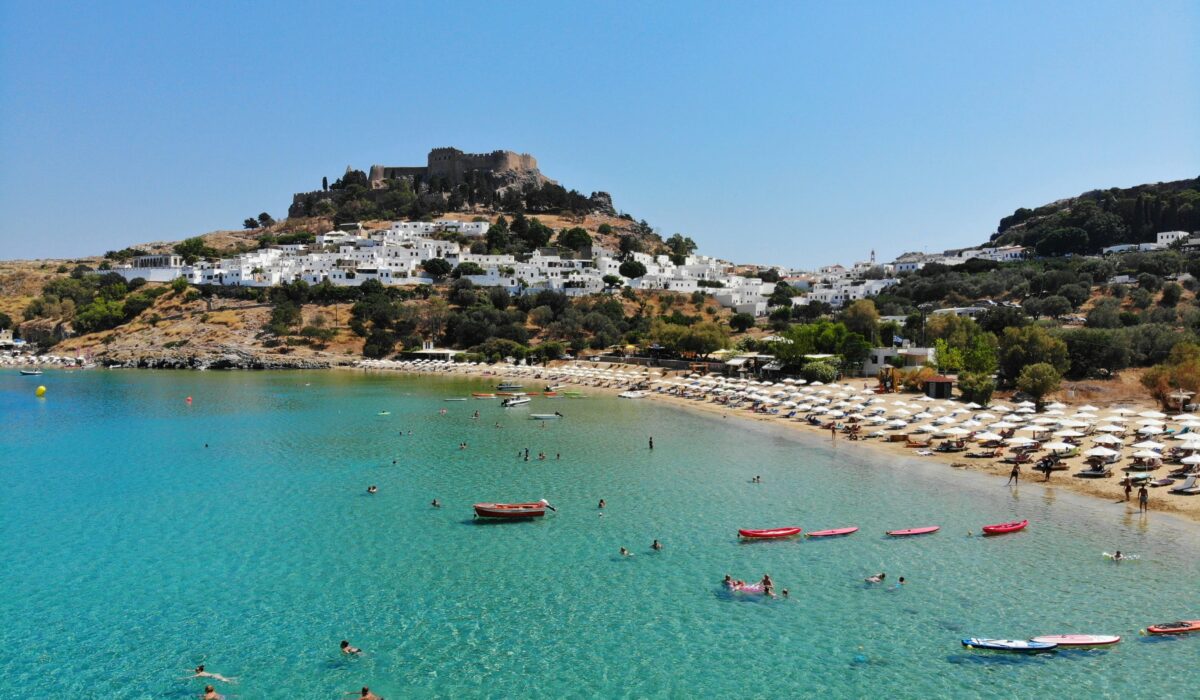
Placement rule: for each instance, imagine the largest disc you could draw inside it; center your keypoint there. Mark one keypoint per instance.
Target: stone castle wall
(453, 165)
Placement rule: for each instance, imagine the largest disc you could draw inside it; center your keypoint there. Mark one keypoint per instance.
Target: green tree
(612, 281)
(250, 223)
(468, 268)
(632, 269)
(741, 322)
(977, 387)
(574, 238)
(437, 267)
(1106, 313)
(1038, 380)
(863, 318)
(5, 321)
(192, 249)
(819, 371)
(264, 219)
(284, 317)
(1171, 293)
(1021, 347)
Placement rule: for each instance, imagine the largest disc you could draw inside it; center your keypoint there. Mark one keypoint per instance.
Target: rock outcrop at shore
(233, 359)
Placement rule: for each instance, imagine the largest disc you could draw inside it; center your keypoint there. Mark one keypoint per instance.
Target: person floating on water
(877, 578)
(199, 672)
(347, 649)
(372, 489)
(656, 545)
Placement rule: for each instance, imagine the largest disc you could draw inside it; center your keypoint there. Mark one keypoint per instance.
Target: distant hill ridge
(1097, 219)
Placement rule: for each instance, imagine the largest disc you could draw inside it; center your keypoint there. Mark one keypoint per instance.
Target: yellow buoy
(41, 391)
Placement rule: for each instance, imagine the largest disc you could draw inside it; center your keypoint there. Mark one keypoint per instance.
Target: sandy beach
(677, 389)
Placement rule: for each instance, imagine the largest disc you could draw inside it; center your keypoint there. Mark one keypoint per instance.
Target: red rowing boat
(773, 534)
(510, 510)
(1181, 627)
(1005, 528)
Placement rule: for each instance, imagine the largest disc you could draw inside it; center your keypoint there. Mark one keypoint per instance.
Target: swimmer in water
(210, 693)
(728, 582)
(1117, 556)
(784, 592)
(626, 552)
(347, 649)
(199, 672)
(601, 504)
(656, 545)
(436, 503)
(365, 694)
(372, 489)
(899, 583)
(877, 578)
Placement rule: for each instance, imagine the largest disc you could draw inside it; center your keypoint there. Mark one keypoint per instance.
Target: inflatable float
(1180, 627)
(1017, 645)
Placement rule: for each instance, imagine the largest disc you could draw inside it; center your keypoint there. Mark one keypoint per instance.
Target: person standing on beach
(652, 442)
(1128, 488)
(1143, 499)
(1015, 474)
(833, 431)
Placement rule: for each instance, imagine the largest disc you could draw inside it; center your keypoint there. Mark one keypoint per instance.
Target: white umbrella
(1108, 440)
(1020, 441)
(1055, 446)
(1026, 404)
(1152, 414)
(1147, 454)
(956, 431)
(973, 406)
(1068, 433)
(1101, 452)
(1149, 445)
(1191, 459)
(1121, 411)
(1003, 425)
(1088, 408)
(1110, 429)
(987, 437)
(1056, 405)
(1150, 430)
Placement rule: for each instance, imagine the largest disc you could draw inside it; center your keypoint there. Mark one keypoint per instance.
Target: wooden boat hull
(510, 511)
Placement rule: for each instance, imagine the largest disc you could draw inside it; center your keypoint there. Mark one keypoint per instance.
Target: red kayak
(1181, 627)
(913, 531)
(510, 510)
(833, 533)
(1004, 528)
(773, 534)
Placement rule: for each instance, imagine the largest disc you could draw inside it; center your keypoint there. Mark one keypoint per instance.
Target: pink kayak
(1078, 640)
(913, 531)
(772, 534)
(1004, 528)
(833, 533)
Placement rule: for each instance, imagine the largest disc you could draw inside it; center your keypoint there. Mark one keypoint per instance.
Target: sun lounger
(1188, 487)
(1094, 473)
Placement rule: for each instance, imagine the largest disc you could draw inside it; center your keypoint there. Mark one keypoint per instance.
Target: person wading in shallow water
(1015, 475)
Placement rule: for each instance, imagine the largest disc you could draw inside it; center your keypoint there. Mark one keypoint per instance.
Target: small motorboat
(1078, 640)
(1180, 627)
(1017, 645)
(909, 532)
(511, 510)
(482, 395)
(463, 399)
(508, 386)
(514, 401)
(772, 534)
(1005, 528)
(550, 389)
(632, 395)
(384, 413)
(31, 372)
(545, 416)
(836, 532)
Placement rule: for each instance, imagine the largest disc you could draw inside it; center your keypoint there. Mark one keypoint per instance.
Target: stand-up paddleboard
(909, 532)
(1017, 645)
(837, 532)
(772, 534)
(1078, 640)
(1181, 627)
(1005, 528)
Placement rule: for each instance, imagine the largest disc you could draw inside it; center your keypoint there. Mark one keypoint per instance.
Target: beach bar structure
(939, 387)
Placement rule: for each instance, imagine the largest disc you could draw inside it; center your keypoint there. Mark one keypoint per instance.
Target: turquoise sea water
(132, 552)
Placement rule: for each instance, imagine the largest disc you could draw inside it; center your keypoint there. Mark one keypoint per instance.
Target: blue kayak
(1018, 645)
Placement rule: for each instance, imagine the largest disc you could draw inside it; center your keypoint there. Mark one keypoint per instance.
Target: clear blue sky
(799, 133)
